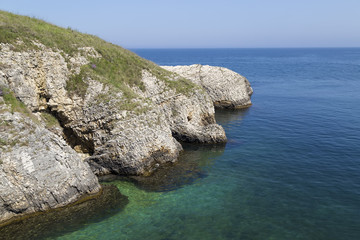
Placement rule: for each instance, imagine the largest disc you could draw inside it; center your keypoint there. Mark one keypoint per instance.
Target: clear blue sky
(206, 24)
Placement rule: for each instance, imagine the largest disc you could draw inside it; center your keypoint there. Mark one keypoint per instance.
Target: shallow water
(55, 222)
(291, 168)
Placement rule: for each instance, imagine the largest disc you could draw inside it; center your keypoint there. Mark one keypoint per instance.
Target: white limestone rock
(226, 88)
(38, 170)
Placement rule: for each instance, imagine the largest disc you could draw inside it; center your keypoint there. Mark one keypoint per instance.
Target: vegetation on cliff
(116, 67)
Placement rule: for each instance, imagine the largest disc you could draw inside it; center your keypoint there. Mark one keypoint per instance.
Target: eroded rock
(226, 88)
(191, 115)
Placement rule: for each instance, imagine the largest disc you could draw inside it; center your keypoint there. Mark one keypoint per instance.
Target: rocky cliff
(226, 88)
(74, 105)
(122, 135)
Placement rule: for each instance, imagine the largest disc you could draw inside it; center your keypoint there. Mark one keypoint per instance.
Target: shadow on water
(68, 219)
(225, 116)
(191, 165)
(193, 162)
(231, 119)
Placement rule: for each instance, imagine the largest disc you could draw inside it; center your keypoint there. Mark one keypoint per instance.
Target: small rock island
(74, 107)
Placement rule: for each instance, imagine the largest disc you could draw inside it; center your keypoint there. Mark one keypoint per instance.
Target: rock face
(226, 88)
(133, 145)
(138, 144)
(38, 170)
(131, 142)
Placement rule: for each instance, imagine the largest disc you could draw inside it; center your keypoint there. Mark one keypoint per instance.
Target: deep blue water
(291, 168)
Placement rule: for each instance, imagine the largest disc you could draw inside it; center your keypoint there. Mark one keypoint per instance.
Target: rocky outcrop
(38, 170)
(114, 111)
(190, 115)
(138, 144)
(226, 88)
(117, 138)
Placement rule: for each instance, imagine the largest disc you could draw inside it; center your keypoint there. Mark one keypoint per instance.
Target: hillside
(117, 66)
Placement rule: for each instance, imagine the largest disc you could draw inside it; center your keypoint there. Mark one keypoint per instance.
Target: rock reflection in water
(68, 219)
(191, 165)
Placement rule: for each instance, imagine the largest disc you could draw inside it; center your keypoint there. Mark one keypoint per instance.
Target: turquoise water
(291, 168)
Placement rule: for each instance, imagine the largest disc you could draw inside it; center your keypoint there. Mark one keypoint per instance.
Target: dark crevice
(55, 119)
(207, 119)
(183, 137)
(79, 144)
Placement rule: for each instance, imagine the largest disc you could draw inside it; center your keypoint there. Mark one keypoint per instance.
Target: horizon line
(180, 48)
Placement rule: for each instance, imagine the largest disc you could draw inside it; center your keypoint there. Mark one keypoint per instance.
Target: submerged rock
(191, 166)
(68, 219)
(226, 88)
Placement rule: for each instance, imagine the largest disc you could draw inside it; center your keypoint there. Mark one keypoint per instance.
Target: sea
(290, 169)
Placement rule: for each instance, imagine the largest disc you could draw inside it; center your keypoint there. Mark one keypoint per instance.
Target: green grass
(129, 104)
(3, 142)
(15, 104)
(182, 85)
(50, 120)
(117, 67)
(77, 84)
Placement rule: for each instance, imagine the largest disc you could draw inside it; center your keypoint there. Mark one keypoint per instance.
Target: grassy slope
(118, 67)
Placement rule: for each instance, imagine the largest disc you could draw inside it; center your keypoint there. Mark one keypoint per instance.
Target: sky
(204, 24)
